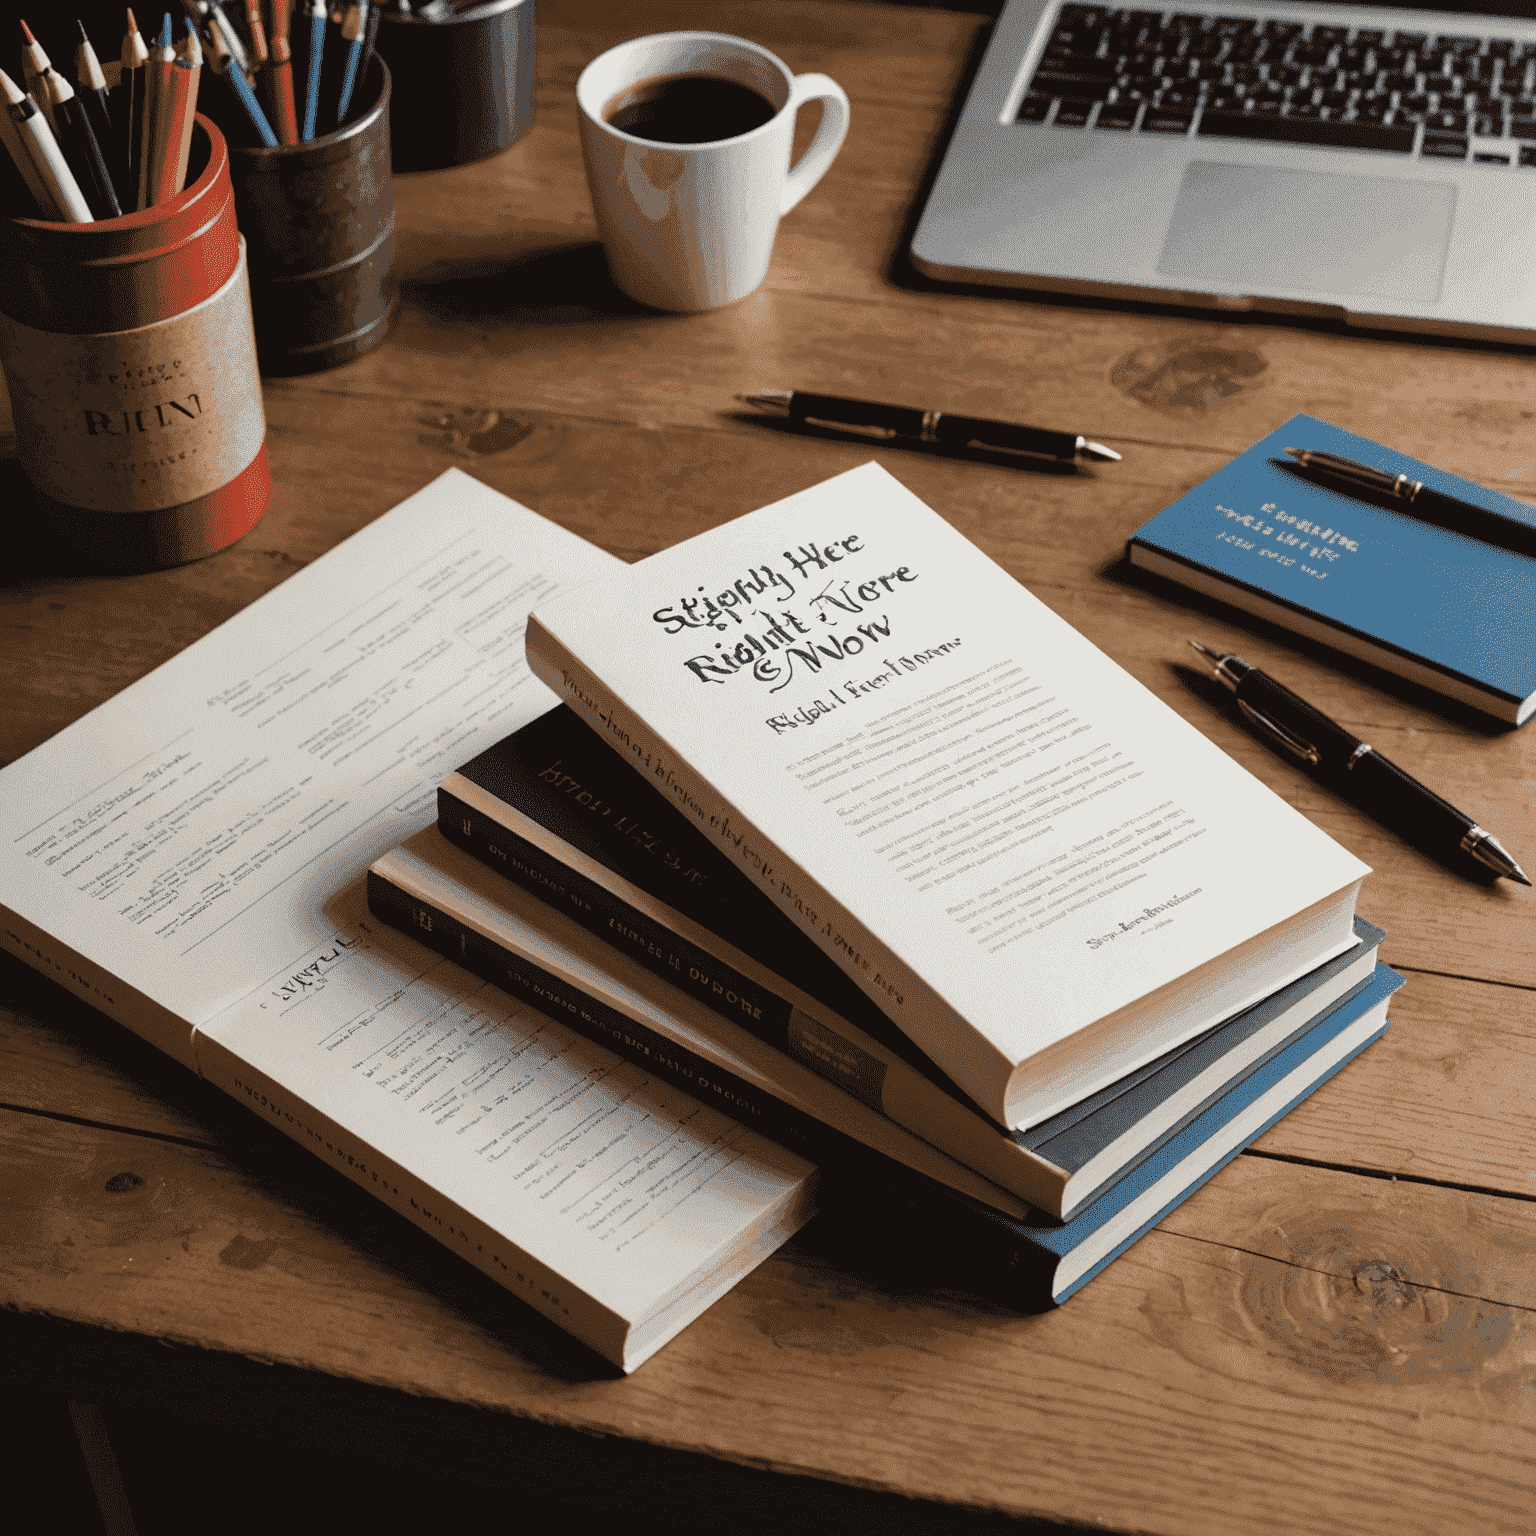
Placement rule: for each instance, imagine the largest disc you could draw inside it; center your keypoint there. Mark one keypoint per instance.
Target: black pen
(900, 423)
(1417, 500)
(1390, 796)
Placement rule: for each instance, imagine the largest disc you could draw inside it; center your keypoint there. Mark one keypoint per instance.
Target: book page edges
(907, 1097)
(1122, 1041)
(1503, 706)
(778, 1224)
(971, 1060)
(467, 892)
(490, 1251)
(152, 1021)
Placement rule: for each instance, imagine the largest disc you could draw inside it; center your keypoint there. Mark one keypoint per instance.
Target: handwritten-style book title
(819, 607)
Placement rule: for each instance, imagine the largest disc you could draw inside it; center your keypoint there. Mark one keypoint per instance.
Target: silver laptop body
(1138, 179)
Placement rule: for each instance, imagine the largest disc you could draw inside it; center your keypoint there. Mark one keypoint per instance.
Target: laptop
(1367, 163)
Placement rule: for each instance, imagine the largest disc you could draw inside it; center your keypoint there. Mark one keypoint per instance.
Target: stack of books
(840, 828)
(834, 867)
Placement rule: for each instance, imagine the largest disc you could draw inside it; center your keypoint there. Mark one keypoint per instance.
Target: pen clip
(1294, 744)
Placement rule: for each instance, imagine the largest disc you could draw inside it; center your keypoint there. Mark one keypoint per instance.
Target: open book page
(623, 1190)
(959, 796)
(185, 836)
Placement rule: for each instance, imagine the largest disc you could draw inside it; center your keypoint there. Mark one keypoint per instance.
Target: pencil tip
(27, 33)
(133, 26)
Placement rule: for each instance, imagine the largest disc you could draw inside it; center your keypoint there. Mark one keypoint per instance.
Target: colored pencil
(131, 89)
(72, 129)
(223, 67)
(10, 136)
(47, 158)
(312, 65)
(159, 83)
(34, 62)
(92, 91)
(279, 76)
(353, 29)
(170, 171)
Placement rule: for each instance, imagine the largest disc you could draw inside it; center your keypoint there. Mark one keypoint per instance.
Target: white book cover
(1041, 872)
(190, 858)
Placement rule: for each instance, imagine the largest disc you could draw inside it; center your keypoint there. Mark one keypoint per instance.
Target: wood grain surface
(1337, 1334)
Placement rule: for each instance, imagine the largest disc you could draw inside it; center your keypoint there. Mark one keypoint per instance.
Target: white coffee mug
(691, 226)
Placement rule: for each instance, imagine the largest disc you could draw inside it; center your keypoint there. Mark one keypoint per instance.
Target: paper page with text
(186, 836)
(625, 1193)
(963, 799)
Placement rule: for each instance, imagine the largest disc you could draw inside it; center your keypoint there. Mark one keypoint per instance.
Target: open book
(190, 858)
(1039, 871)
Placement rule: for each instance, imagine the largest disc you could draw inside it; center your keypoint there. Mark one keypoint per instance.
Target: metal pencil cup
(319, 225)
(463, 85)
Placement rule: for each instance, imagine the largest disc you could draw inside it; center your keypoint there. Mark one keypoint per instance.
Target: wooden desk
(1337, 1334)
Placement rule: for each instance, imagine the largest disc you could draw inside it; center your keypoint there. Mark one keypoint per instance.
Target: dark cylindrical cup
(128, 351)
(319, 225)
(463, 85)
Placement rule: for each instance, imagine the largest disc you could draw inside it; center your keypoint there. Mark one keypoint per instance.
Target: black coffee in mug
(688, 109)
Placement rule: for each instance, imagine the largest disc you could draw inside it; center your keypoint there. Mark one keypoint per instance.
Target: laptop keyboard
(1436, 95)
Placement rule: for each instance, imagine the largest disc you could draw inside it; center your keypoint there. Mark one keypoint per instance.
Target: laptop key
(1445, 146)
(1121, 118)
(1528, 154)
(1396, 138)
(1157, 121)
(1035, 109)
(1073, 114)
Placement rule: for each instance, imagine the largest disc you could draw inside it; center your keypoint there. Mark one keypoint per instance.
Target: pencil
(375, 13)
(154, 142)
(257, 32)
(353, 25)
(312, 64)
(223, 66)
(131, 83)
(93, 96)
(170, 170)
(47, 158)
(279, 78)
(10, 136)
(34, 62)
(72, 129)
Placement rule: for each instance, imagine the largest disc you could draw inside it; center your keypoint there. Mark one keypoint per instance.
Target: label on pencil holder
(140, 420)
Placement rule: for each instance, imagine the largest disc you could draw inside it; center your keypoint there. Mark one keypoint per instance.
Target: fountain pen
(1382, 790)
(905, 424)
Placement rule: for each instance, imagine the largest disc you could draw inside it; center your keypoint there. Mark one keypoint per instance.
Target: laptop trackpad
(1253, 229)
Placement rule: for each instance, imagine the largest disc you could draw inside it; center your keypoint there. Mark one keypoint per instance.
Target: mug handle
(830, 133)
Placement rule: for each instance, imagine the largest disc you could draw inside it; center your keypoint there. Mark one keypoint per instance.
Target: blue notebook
(1435, 606)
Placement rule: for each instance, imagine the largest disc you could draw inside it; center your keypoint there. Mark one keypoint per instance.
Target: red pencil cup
(128, 349)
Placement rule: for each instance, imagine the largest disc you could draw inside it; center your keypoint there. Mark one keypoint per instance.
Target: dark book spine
(984, 1250)
(773, 1019)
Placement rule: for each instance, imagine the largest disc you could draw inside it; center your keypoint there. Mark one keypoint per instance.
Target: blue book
(1436, 606)
(1047, 1261)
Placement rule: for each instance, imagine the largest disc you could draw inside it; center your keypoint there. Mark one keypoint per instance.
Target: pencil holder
(131, 364)
(319, 223)
(463, 85)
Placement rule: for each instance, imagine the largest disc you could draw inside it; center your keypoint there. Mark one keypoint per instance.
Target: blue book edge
(1057, 1242)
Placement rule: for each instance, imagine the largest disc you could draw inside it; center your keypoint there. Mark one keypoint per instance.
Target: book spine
(1005, 1261)
(440, 1218)
(890, 1087)
(126, 1005)
(913, 1005)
